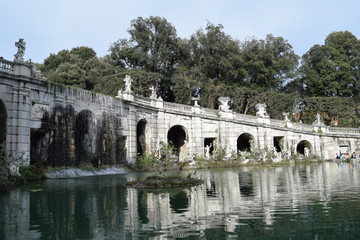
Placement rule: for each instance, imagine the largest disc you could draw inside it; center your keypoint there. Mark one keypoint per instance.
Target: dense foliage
(249, 71)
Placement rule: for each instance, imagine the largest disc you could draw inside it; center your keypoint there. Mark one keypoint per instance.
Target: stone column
(261, 138)
(18, 137)
(196, 139)
(161, 127)
(131, 136)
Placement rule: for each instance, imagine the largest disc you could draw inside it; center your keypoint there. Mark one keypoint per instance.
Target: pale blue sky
(50, 26)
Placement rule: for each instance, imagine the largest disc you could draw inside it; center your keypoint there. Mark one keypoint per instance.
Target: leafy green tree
(153, 47)
(269, 63)
(339, 111)
(333, 69)
(184, 82)
(78, 67)
(216, 54)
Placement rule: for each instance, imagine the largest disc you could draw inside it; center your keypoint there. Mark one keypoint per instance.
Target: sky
(49, 26)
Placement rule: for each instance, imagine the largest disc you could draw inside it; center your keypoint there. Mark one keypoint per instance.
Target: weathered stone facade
(59, 125)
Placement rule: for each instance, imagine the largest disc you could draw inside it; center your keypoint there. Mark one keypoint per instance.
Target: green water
(315, 201)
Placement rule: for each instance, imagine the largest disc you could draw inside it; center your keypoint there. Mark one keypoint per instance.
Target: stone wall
(57, 125)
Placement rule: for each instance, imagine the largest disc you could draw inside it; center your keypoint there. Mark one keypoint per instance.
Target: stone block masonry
(57, 125)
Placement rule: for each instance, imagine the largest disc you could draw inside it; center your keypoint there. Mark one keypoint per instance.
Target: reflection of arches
(179, 202)
(140, 137)
(177, 137)
(3, 117)
(246, 184)
(304, 147)
(85, 137)
(244, 142)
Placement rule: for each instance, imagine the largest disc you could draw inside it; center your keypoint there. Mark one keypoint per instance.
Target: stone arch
(245, 142)
(86, 138)
(141, 137)
(177, 136)
(304, 147)
(3, 117)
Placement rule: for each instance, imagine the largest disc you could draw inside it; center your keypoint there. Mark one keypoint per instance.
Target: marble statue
(261, 110)
(207, 151)
(128, 81)
(224, 103)
(153, 93)
(306, 152)
(318, 122)
(19, 56)
(285, 114)
(158, 148)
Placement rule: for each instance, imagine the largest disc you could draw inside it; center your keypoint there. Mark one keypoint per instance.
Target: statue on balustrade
(128, 81)
(19, 56)
(224, 103)
(261, 110)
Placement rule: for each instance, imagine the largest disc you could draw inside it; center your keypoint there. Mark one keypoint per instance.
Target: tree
(333, 69)
(216, 54)
(153, 47)
(269, 63)
(78, 67)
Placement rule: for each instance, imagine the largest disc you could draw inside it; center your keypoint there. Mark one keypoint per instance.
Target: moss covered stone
(157, 181)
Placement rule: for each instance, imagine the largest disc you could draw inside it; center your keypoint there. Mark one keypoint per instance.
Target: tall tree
(269, 63)
(153, 46)
(333, 69)
(216, 54)
(78, 67)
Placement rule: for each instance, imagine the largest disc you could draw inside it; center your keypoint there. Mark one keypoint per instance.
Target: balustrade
(176, 106)
(6, 65)
(344, 130)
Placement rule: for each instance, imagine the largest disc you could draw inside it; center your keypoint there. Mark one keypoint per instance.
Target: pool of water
(307, 201)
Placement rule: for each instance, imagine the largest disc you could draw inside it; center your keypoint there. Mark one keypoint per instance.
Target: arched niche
(141, 137)
(304, 147)
(245, 142)
(177, 137)
(86, 138)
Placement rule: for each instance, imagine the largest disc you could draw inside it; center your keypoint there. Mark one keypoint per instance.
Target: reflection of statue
(224, 103)
(128, 80)
(207, 151)
(261, 110)
(19, 56)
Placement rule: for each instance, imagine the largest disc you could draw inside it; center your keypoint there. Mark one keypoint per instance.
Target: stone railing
(301, 126)
(6, 65)
(210, 112)
(142, 100)
(277, 122)
(245, 117)
(344, 130)
(176, 106)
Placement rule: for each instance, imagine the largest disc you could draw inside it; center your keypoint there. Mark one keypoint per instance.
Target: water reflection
(298, 202)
